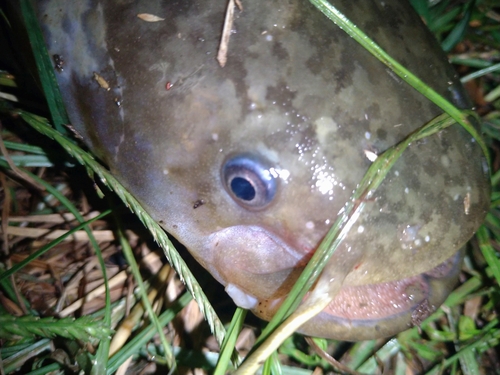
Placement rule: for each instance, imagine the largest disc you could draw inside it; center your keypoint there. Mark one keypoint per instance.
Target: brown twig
(18, 172)
(5, 214)
(226, 31)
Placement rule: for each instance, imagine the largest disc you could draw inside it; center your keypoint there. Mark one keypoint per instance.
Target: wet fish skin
(296, 113)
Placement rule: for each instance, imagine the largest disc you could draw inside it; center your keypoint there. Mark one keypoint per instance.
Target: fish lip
(254, 259)
(256, 234)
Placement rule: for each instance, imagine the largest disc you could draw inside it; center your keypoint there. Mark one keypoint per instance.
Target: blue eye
(249, 181)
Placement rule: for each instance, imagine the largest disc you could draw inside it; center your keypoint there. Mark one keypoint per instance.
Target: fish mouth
(259, 269)
(253, 261)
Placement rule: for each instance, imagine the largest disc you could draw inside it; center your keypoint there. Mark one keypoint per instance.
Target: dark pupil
(242, 188)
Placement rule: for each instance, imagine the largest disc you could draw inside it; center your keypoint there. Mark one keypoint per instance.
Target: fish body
(248, 165)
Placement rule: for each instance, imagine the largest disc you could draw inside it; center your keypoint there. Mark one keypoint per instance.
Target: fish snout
(253, 263)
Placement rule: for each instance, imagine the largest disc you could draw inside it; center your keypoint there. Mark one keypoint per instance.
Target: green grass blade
(489, 253)
(443, 22)
(480, 73)
(83, 328)
(227, 348)
(45, 69)
(15, 361)
(458, 32)
(129, 256)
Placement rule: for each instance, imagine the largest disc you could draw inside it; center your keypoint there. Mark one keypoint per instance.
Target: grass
(55, 275)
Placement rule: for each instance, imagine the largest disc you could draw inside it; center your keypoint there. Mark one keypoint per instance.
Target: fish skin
(301, 100)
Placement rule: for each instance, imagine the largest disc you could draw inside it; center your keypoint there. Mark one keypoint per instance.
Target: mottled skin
(306, 101)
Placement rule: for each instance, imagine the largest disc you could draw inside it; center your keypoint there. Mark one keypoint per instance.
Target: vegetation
(67, 303)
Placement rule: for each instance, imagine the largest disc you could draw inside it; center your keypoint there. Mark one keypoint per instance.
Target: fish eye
(249, 181)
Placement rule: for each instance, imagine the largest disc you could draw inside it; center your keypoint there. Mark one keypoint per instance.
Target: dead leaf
(150, 17)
